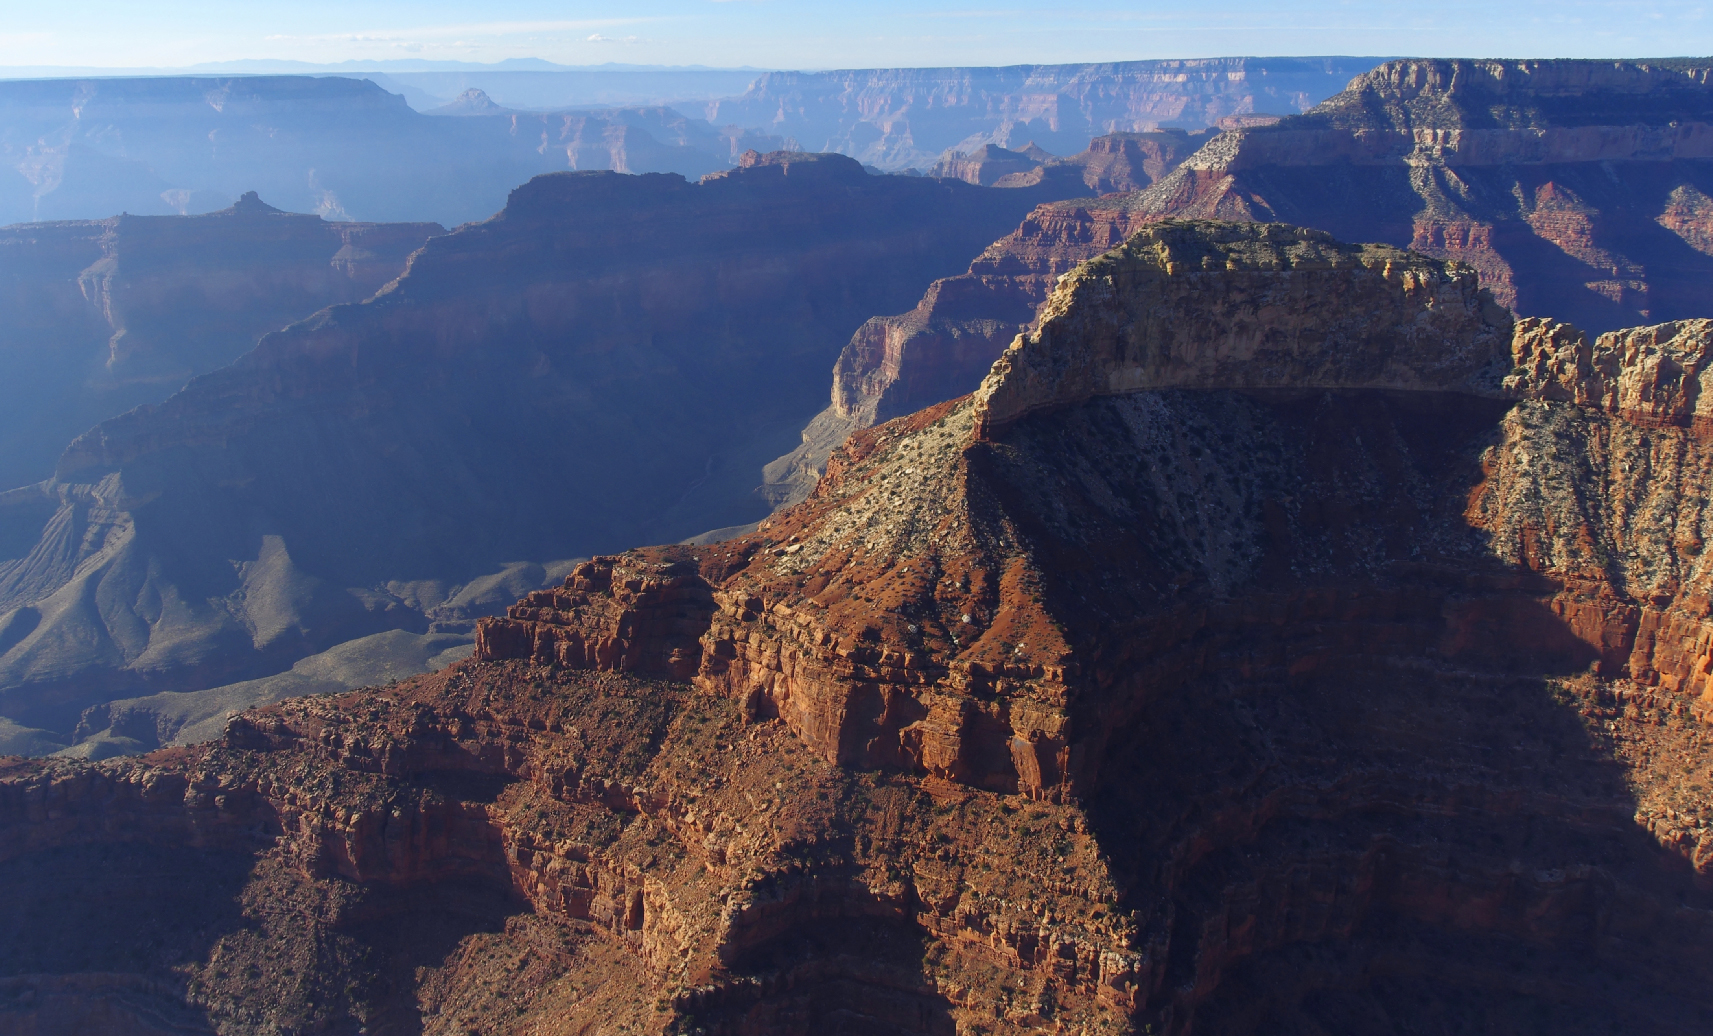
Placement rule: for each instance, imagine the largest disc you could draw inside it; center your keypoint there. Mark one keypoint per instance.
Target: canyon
(341, 148)
(610, 357)
(355, 149)
(1574, 187)
(895, 118)
(1112, 163)
(1282, 637)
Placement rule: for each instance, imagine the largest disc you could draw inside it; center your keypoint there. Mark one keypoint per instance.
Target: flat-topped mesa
(1200, 304)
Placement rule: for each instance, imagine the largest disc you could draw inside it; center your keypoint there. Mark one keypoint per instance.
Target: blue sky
(833, 34)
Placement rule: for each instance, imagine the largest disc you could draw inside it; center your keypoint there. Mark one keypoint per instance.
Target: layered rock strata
(1286, 676)
(940, 680)
(1574, 187)
(610, 354)
(942, 349)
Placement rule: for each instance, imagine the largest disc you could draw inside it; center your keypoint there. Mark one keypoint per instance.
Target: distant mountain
(894, 118)
(1580, 189)
(342, 148)
(609, 360)
(99, 316)
(347, 148)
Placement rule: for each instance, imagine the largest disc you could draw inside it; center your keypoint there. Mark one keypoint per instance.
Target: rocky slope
(906, 117)
(610, 357)
(342, 148)
(102, 316)
(1281, 639)
(1577, 188)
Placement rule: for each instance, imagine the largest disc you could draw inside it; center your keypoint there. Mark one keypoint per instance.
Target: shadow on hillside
(146, 937)
(836, 977)
(1365, 796)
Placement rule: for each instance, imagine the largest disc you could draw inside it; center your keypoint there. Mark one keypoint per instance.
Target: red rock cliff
(1364, 691)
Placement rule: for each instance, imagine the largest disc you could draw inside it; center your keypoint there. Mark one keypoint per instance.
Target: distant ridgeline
(898, 117)
(349, 149)
(610, 359)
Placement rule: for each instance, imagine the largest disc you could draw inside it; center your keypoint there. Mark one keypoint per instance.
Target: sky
(800, 34)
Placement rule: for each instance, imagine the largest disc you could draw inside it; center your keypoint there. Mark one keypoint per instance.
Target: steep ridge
(1577, 188)
(341, 148)
(611, 356)
(895, 365)
(1280, 640)
(895, 118)
(102, 316)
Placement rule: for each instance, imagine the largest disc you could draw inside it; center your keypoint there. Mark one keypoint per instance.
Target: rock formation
(907, 117)
(1113, 163)
(610, 357)
(1575, 187)
(987, 164)
(102, 316)
(895, 365)
(1554, 179)
(1233, 661)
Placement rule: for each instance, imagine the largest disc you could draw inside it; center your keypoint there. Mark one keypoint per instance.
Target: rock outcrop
(1365, 694)
(610, 357)
(926, 640)
(104, 315)
(989, 164)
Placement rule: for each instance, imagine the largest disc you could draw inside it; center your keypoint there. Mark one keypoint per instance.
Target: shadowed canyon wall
(105, 315)
(611, 357)
(1282, 639)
